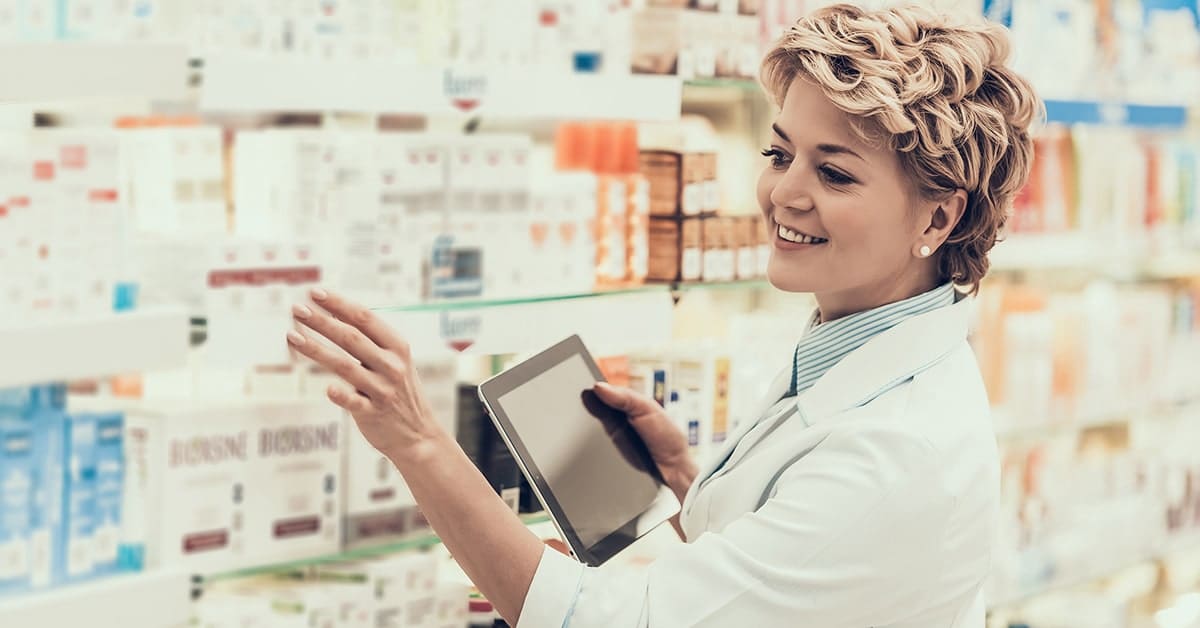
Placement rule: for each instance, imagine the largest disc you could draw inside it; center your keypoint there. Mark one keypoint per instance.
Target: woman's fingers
(362, 319)
(340, 364)
(350, 339)
(348, 399)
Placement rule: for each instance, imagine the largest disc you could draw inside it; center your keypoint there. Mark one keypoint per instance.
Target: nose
(793, 190)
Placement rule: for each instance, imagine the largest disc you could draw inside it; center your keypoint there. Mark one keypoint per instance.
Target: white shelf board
(146, 600)
(247, 82)
(70, 71)
(75, 348)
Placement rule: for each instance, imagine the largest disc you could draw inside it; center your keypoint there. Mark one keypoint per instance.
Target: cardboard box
(719, 258)
(676, 249)
(658, 42)
(746, 242)
(677, 181)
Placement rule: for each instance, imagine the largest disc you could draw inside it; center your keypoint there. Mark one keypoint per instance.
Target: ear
(940, 218)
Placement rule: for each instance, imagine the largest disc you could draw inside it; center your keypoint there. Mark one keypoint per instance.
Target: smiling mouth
(797, 237)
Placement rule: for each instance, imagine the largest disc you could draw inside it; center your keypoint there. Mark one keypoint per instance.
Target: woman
(866, 492)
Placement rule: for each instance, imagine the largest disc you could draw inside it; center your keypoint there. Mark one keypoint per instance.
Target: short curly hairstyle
(935, 89)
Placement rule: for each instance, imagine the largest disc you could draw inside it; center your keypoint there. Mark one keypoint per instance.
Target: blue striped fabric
(825, 344)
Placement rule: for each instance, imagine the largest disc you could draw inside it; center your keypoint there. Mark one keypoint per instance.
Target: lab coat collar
(886, 360)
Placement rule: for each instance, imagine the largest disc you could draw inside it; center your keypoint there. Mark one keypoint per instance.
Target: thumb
(617, 398)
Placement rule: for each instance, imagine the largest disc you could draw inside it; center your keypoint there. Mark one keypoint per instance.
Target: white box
(194, 495)
(294, 480)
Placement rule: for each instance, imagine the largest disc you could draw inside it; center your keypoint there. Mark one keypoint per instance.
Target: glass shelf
(480, 304)
(412, 543)
(747, 85)
(739, 284)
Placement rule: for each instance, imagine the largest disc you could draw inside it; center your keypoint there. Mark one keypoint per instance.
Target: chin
(789, 278)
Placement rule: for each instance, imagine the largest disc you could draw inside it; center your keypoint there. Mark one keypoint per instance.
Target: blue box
(27, 401)
(17, 481)
(47, 512)
(109, 492)
(74, 553)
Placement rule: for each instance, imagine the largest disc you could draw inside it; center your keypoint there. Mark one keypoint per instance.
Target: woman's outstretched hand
(380, 388)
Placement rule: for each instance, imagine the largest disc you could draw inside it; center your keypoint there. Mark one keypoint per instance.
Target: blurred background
(492, 177)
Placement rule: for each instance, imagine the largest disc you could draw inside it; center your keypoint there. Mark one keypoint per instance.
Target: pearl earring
(926, 251)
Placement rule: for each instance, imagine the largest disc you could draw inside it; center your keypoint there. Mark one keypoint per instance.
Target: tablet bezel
(662, 508)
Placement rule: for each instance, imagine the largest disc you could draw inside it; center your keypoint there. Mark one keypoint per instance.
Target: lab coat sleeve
(844, 541)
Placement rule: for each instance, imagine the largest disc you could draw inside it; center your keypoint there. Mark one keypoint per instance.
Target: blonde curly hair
(936, 90)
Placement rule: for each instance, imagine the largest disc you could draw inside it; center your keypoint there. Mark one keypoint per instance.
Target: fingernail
(295, 338)
(319, 294)
(301, 311)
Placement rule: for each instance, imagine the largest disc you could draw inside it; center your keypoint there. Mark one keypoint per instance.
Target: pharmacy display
(492, 190)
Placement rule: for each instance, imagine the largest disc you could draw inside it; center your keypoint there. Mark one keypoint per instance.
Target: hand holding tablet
(587, 465)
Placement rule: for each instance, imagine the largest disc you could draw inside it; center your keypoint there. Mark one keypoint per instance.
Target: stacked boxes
(61, 487)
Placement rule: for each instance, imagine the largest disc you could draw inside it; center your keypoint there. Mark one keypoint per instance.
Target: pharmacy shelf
(739, 284)
(745, 85)
(515, 326)
(146, 600)
(410, 544)
(1079, 251)
(1008, 430)
(233, 82)
(1116, 114)
(1185, 542)
(94, 346)
(90, 71)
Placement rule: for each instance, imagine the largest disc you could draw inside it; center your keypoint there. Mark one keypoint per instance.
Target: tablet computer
(587, 465)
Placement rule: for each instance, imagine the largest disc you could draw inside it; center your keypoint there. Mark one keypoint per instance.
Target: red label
(460, 345)
(43, 170)
(264, 276)
(297, 527)
(3, 211)
(205, 541)
(465, 104)
(382, 494)
(102, 196)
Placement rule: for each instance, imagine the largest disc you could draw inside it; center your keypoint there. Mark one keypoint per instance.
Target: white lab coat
(875, 504)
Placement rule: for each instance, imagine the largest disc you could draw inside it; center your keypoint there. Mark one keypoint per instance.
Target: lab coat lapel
(887, 360)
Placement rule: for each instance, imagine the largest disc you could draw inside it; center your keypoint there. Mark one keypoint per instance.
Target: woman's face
(845, 223)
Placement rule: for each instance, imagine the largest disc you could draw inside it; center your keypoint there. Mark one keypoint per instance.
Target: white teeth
(794, 236)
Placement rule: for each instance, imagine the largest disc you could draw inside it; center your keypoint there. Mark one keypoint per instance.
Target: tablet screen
(585, 450)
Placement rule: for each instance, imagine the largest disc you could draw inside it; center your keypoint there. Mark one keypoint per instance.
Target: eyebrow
(832, 149)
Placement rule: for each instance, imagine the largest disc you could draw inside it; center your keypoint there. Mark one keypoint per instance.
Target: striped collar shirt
(825, 344)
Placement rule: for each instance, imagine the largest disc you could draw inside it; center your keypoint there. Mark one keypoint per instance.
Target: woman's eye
(834, 176)
(779, 161)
